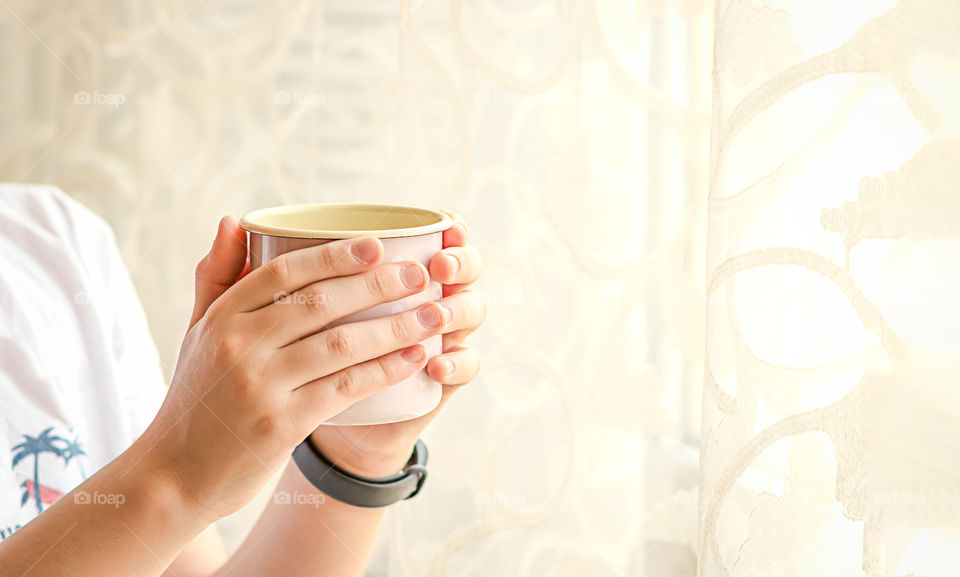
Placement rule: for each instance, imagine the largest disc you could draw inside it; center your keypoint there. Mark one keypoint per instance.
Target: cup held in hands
(407, 233)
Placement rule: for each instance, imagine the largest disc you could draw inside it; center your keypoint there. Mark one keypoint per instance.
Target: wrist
(364, 462)
(167, 484)
(144, 496)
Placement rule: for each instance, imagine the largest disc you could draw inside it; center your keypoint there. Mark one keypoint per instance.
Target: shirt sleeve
(137, 360)
(88, 357)
(136, 363)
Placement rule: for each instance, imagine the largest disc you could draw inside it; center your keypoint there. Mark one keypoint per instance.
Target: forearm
(129, 519)
(306, 533)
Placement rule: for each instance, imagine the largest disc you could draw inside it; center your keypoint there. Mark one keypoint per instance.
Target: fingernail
(411, 275)
(412, 355)
(364, 250)
(447, 366)
(453, 263)
(447, 313)
(430, 317)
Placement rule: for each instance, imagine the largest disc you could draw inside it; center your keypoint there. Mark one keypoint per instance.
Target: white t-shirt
(80, 378)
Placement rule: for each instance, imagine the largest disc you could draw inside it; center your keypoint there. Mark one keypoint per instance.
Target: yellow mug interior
(345, 220)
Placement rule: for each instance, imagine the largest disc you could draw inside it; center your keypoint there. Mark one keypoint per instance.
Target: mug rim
(249, 221)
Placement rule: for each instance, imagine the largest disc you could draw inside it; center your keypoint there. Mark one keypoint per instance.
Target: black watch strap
(362, 491)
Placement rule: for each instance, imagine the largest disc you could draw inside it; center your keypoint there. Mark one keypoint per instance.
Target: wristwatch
(362, 491)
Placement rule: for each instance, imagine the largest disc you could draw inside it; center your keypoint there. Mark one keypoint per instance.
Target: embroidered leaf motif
(917, 202)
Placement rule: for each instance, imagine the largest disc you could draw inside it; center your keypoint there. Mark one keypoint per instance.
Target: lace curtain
(831, 402)
(576, 137)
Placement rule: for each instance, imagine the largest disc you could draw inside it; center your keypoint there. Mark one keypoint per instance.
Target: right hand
(255, 376)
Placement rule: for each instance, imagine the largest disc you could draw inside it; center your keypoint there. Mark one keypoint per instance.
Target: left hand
(383, 450)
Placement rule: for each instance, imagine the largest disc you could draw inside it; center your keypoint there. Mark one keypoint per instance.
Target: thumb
(224, 265)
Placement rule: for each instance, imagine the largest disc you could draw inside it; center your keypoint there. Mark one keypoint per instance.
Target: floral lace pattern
(830, 406)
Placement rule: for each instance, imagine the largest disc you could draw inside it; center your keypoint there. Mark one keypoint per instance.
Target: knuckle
(318, 301)
(347, 383)
(329, 255)
(400, 327)
(266, 425)
(215, 309)
(278, 270)
(230, 345)
(377, 284)
(245, 384)
(341, 343)
(387, 369)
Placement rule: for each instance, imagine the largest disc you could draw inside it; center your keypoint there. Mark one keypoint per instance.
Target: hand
(382, 450)
(256, 374)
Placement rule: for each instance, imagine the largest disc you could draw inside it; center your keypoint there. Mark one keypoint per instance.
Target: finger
(456, 265)
(467, 309)
(334, 349)
(452, 289)
(323, 398)
(457, 367)
(313, 307)
(456, 338)
(294, 270)
(456, 235)
(221, 267)
(246, 269)
(447, 391)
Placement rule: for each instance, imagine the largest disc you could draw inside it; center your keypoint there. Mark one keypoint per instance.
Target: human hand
(382, 450)
(255, 376)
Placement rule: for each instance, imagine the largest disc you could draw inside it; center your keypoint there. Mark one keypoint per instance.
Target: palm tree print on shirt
(34, 447)
(70, 451)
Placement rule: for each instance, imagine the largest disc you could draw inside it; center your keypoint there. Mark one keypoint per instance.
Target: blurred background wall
(573, 136)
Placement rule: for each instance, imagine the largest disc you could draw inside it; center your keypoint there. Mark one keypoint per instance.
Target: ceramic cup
(407, 233)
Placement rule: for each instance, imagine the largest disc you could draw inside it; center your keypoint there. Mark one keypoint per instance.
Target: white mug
(407, 233)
